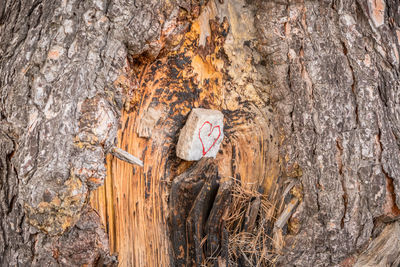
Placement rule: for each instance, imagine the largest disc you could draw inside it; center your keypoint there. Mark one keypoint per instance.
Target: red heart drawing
(211, 131)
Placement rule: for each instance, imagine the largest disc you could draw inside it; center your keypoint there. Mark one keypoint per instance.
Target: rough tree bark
(309, 91)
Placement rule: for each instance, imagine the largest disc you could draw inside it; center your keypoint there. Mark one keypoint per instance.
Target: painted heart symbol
(208, 136)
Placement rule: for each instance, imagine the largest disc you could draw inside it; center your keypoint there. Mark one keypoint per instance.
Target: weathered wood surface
(216, 246)
(383, 250)
(125, 156)
(184, 191)
(190, 76)
(309, 91)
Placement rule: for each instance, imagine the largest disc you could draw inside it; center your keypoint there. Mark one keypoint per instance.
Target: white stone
(202, 135)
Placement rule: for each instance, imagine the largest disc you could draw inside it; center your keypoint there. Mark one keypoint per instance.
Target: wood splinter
(125, 156)
(285, 215)
(281, 222)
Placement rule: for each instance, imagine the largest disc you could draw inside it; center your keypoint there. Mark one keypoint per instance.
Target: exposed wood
(251, 214)
(197, 219)
(384, 250)
(184, 191)
(287, 212)
(197, 226)
(192, 76)
(125, 156)
(216, 246)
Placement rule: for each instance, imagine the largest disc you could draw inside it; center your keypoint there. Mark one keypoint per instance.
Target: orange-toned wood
(133, 202)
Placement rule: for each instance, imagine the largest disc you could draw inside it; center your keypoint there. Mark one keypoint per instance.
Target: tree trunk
(308, 173)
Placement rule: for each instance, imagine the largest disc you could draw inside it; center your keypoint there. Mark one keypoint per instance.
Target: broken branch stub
(202, 135)
(125, 156)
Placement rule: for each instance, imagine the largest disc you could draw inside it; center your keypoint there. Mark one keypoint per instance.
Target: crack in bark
(354, 84)
(339, 155)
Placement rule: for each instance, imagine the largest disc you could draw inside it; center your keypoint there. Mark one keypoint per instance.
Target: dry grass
(251, 247)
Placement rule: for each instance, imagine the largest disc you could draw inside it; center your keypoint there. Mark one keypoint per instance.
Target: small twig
(125, 156)
(285, 215)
